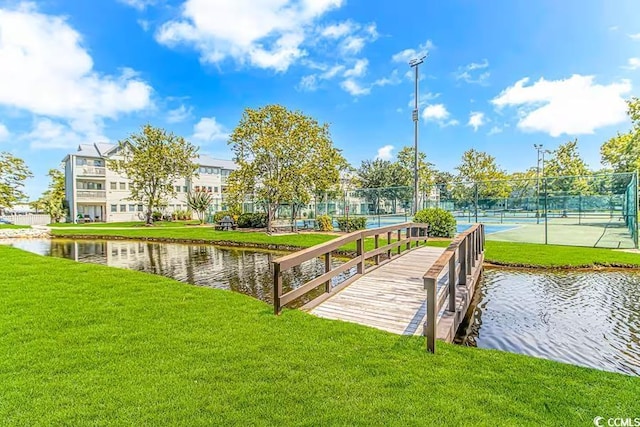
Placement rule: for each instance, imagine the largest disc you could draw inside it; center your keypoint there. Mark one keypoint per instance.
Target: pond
(235, 269)
(584, 318)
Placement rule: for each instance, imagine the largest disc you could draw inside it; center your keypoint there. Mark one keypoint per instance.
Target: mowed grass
(13, 227)
(502, 253)
(84, 344)
(127, 224)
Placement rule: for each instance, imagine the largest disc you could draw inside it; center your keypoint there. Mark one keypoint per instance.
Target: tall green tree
(13, 172)
(479, 171)
(622, 152)
(426, 172)
(382, 179)
(153, 160)
(283, 157)
(52, 200)
(566, 172)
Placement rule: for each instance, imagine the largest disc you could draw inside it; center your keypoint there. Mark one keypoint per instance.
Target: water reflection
(239, 270)
(584, 318)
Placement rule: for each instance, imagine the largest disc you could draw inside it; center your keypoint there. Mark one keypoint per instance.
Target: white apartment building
(97, 193)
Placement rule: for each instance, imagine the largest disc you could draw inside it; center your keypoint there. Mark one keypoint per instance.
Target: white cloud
(332, 72)
(144, 24)
(385, 153)
(409, 54)
(209, 130)
(51, 74)
(476, 120)
(354, 88)
(635, 36)
(4, 132)
(438, 113)
(139, 4)
(179, 114)
(337, 31)
(393, 79)
(359, 69)
(573, 106)
(633, 64)
(352, 45)
(494, 130)
(467, 74)
(308, 83)
(423, 99)
(47, 133)
(265, 34)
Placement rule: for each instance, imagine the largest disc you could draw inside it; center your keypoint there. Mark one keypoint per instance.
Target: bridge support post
(462, 253)
(277, 288)
(431, 324)
(360, 252)
(327, 268)
(453, 281)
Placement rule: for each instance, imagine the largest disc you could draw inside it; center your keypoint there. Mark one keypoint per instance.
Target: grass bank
(499, 253)
(107, 346)
(13, 227)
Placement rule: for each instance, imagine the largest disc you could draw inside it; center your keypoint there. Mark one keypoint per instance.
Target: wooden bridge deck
(391, 297)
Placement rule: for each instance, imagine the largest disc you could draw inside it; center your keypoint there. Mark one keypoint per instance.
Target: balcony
(91, 195)
(91, 171)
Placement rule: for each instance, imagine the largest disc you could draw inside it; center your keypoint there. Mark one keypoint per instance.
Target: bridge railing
(462, 258)
(391, 241)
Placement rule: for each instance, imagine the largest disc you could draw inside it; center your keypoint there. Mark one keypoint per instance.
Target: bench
(225, 224)
(282, 224)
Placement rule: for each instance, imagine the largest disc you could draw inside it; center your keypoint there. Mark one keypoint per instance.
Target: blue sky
(501, 75)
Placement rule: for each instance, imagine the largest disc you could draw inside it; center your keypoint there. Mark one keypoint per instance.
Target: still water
(583, 318)
(239, 270)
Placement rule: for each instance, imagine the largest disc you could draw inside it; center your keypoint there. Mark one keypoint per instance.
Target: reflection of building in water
(245, 271)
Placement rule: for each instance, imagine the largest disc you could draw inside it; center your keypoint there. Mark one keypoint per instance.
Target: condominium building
(96, 192)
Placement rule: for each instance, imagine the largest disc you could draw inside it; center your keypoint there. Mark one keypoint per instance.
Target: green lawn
(503, 253)
(13, 226)
(97, 345)
(159, 224)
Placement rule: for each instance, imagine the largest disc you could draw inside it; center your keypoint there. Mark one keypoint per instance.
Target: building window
(209, 189)
(114, 208)
(114, 185)
(123, 208)
(132, 208)
(177, 188)
(139, 208)
(123, 185)
(184, 189)
(215, 189)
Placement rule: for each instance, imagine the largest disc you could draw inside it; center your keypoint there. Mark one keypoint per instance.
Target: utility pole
(414, 63)
(538, 148)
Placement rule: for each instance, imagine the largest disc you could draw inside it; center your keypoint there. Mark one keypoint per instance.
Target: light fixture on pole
(414, 63)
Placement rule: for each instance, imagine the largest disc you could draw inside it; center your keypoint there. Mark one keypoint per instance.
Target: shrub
(156, 216)
(441, 222)
(352, 224)
(252, 220)
(325, 223)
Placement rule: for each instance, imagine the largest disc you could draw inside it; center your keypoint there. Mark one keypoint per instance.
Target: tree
(52, 200)
(13, 172)
(568, 170)
(479, 172)
(426, 173)
(153, 160)
(199, 202)
(383, 179)
(622, 152)
(283, 157)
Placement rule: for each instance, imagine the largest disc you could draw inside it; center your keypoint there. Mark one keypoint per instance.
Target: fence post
(453, 281)
(327, 268)
(360, 252)
(277, 288)
(430, 325)
(377, 257)
(409, 238)
(399, 238)
(463, 261)
(388, 243)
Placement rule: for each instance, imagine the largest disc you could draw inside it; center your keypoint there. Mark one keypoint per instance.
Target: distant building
(97, 193)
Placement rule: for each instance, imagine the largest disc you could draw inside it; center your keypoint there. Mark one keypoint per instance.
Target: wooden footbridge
(398, 285)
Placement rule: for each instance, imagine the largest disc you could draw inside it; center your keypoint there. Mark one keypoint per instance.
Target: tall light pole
(414, 63)
(539, 149)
